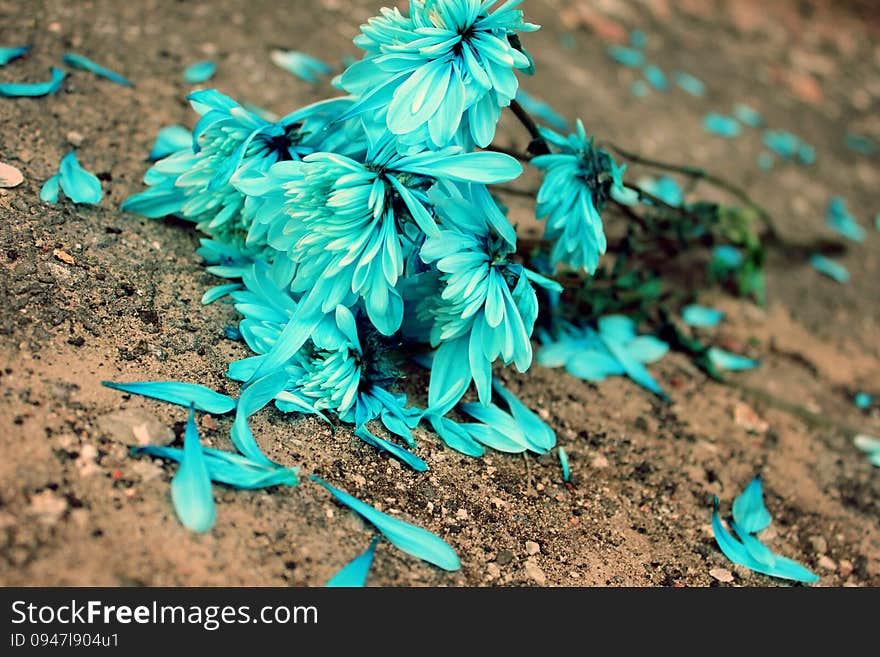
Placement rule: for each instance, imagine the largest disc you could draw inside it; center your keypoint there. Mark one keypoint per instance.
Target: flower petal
(176, 392)
(354, 573)
(409, 538)
(191, 486)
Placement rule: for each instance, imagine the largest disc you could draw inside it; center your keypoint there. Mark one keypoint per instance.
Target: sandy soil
(75, 509)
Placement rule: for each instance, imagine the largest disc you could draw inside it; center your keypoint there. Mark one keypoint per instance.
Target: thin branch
(539, 145)
(699, 174)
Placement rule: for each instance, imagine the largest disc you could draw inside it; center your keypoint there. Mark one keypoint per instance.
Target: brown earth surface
(76, 509)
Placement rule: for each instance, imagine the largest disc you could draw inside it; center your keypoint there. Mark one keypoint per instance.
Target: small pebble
(10, 176)
(532, 548)
(493, 571)
(600, 461)
(827, 562)
(504, 557)
(75, 138)
(461, 514)
(846, 568)
(48, 507)
(533, 570)
(820, 545)
(722, 575)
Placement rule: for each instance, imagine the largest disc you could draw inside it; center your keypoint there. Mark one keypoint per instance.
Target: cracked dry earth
(75, 509)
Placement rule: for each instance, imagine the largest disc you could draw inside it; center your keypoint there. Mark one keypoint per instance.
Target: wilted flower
(448, 65)
(577, 185)
(486, 306)
(349, 225)
(346, 367)
(194, 183)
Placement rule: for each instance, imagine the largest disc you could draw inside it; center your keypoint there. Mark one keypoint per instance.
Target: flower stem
(697, 173)
(539, 145)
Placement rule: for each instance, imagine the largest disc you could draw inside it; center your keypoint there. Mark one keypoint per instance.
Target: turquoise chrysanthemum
(195, 183)
(485, 307)
(578, 180)
(448, 66)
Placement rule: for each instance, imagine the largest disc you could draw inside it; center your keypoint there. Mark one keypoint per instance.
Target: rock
(504, 557)
(820, 545)
(147, 470)
(493, 571)
(533, 570)
(135, 427)
(48, 507)
(86, 461)
(600, 461)
(461, 514)
(846, 568)
(745, 417)
(532, 548)
(10, 176)
(827, 562)
(722, 575)
(75, 138)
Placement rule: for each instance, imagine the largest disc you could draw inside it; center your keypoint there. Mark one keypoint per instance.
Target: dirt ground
(75, 509)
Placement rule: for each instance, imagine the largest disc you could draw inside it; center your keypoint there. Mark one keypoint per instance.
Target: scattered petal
(728, 361)
(49, 190)
(409, 538)
(10, 176)
(200, 71)
(692, 85)
(748, 116)
(8, 54)
(701, 316)
(627, 56)
(838, 219)
(744, 556)
(563, 461)
(231, 469)
(175, 392)
(32, 89)
(541, 110)
(84, 63)
(303, 66)
(859, 143)
(638, 39)
(749, 510)
(537, 432)
(655, 77)
(170, 139)
(829, 267)
(863, 400)
(79, 185)
(789, 146)
(724, 126)
(354, 573)
(191, 486)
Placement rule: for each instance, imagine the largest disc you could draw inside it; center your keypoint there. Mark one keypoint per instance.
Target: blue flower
(349, 225)
(577, 185)
(447, 67)
(195, 182)
(614, 349)
(346, 367)
(484, 307)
